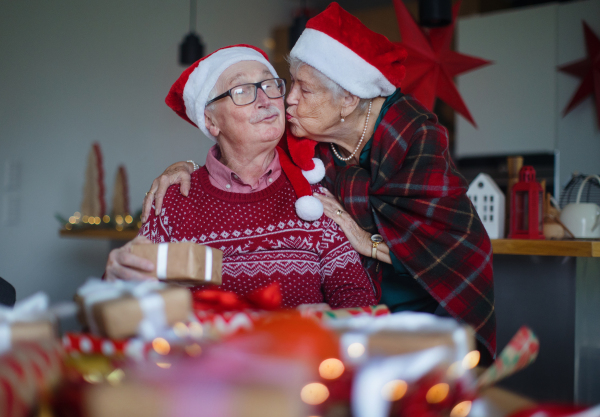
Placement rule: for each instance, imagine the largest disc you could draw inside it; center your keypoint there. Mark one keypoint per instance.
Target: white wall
(73, 72)
(518, 102)
(578, 131)
(512, 101)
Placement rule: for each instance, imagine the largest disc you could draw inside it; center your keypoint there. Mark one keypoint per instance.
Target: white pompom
(317, 173)
(309, 208)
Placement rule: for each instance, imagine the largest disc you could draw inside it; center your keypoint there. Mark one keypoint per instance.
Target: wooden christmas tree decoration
(93, 204)
(120, 200)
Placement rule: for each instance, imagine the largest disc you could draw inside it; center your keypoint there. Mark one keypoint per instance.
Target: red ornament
(588, 70)
(431, 65)
(526, 207)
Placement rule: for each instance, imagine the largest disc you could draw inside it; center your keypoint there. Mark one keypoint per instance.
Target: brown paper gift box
(185, 262)
(119, 318)
(390, 343)
(29, 331)
(133, 399)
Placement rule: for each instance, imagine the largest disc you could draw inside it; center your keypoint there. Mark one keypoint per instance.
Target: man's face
(252, 125)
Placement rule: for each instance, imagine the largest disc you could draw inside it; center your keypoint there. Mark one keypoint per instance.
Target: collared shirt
(226, 179)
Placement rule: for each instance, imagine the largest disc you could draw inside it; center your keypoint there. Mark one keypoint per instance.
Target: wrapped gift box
(138, 399)
(120, 309)
(224, 381)
(30, 319)
(362, 337)
(88, 344)
(26, 372)
(183, 262)
(28, 331)
(323, 312)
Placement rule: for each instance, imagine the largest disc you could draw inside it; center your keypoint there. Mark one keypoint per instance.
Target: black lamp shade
(191, 49)
(435, 13)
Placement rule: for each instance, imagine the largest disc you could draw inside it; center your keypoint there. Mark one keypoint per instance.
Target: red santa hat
(188, 97)
(361, 61)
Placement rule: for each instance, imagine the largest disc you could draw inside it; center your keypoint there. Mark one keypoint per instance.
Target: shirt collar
(226, 179)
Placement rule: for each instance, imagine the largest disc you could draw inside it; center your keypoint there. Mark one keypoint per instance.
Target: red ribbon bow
(218, 300)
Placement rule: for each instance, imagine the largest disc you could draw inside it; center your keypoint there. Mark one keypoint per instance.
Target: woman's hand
(178, 173)
(122, 264)
(359, 239)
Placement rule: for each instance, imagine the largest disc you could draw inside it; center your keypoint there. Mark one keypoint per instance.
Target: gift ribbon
(208, 264)
(151, 303)
(218, 300)
(161, 260)
(153, 310)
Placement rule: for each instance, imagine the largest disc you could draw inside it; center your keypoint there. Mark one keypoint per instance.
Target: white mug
(582, 219)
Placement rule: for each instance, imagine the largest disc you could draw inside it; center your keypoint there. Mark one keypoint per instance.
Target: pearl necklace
(359, 142)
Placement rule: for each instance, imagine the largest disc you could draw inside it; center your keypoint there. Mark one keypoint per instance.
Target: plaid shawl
(416, 199)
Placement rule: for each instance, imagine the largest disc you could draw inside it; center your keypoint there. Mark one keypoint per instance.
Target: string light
(356, 350)
(471, 359)
(331, 368)
(314, 393)
(394, 390)
(437, 393)
(461, 409)
(161, 346)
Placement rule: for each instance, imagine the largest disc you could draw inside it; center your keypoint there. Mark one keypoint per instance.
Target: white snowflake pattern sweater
(264, 241)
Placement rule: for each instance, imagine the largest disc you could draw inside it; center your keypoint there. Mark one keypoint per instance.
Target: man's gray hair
(336, 90)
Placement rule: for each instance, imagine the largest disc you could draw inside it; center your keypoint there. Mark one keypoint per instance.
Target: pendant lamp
(192, 48)
(435, 13)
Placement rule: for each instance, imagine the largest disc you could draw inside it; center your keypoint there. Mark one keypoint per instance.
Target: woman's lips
(288, 116)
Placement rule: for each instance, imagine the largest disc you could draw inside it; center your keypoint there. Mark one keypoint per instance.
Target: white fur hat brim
(341, 64)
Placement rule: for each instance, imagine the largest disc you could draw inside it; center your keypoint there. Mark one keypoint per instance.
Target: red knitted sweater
(264, 241)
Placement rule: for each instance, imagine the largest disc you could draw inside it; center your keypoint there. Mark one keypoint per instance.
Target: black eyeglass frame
(257, 85)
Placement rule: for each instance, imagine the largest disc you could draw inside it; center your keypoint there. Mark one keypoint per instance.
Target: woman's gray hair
(336, 90)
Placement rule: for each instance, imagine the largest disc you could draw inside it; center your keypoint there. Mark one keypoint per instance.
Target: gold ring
(339, 212)
(149, 192)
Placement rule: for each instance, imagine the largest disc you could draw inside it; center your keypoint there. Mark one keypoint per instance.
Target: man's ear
(349, 103)
(210, 123)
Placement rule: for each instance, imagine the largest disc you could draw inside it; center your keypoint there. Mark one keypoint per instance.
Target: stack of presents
(158, 348)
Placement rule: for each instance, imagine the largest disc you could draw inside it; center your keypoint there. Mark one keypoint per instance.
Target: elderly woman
(241, 201)
(391, 184)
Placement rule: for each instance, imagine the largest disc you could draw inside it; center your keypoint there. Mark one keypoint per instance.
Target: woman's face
(312, 111)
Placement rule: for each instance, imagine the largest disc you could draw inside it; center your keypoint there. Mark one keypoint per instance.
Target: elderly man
(241, 201)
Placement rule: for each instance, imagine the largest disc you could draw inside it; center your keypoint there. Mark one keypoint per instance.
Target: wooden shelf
(109, 234)
(582, 248)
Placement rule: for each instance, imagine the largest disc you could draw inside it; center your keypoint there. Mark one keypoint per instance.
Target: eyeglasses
(245, 94)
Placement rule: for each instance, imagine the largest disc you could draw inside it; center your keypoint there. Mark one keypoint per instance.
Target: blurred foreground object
(123, 309)
(8, 295)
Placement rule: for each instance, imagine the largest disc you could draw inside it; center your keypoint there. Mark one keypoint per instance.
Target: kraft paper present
(29, 331)
(398, 343)
(134, 399)
(183, 262)
(119, 318)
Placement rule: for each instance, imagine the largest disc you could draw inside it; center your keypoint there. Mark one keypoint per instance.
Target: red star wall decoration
(588, 69)
(431, 65)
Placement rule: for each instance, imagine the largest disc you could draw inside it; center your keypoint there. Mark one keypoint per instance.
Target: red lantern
(526, 207)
